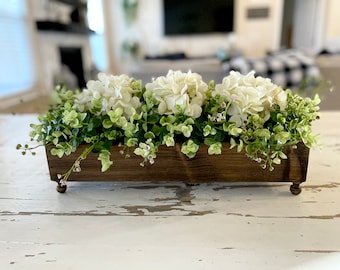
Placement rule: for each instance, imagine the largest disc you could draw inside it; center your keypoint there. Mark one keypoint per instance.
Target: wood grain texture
(172, 165)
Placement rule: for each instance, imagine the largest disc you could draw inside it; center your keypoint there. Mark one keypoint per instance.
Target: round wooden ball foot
(61, 188)
(192, 184)
(295, 189)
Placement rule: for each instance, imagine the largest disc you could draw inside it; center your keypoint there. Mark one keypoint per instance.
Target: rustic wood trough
(173, 166)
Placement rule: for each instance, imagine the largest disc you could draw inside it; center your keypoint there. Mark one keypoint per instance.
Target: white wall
(332, 20)
(331, 41)
(254, 37)
(257, 36)
(308, 24)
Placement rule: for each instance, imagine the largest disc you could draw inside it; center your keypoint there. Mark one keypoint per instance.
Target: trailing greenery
(256, 116)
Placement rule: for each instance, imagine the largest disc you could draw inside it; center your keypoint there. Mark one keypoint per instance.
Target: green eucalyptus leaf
(104, 157)
(277, 161)
(107, 123)
(153, 119)
(149, 135)
(209, 141)
(57, 152)
(215, 149)
(240, 146)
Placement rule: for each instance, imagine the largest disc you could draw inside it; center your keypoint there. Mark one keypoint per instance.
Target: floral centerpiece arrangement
(254, 115)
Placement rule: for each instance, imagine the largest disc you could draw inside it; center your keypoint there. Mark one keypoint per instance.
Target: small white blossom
(219, 117)
(62, 183)
(151, 159)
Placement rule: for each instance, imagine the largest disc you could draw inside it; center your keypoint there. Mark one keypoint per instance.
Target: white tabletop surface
(167, 226)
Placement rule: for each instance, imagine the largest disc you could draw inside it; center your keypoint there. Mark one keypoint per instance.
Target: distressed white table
(167, 226)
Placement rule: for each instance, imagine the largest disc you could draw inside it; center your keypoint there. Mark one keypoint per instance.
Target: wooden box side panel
(172, 165)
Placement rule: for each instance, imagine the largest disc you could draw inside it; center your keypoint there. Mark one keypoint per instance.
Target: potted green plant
(120, 119)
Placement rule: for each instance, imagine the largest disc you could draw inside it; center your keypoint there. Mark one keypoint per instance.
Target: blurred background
(44, 43)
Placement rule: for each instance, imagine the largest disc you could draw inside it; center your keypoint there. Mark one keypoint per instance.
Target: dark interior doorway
(72, 57)
(287, 24)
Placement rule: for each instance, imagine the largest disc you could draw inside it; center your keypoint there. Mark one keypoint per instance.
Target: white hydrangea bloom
(111, 91)
(178, 89)
(250, 95)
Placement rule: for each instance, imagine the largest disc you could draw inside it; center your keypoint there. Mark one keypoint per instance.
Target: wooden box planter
(173, 166)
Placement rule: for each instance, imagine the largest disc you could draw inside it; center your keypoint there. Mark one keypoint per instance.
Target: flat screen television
(185, 17)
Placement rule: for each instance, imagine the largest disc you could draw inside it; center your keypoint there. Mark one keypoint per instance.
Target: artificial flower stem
(64, 177)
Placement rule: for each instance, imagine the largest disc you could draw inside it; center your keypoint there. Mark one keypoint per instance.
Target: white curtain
(16, 61)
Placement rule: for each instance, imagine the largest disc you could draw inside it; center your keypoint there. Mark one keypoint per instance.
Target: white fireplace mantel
(50, 42)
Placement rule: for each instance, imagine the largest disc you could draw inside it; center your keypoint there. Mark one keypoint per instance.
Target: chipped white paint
(167, 226)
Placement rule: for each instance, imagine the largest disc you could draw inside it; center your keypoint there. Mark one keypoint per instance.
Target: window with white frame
(96, 23)
(17, 72)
